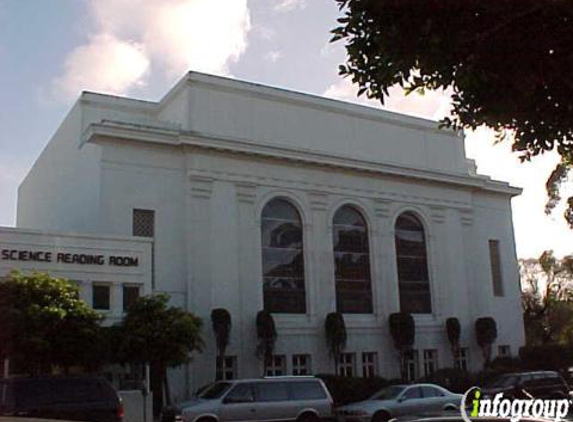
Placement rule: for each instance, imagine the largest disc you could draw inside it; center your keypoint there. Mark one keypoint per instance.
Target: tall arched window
(352, 262)
(283, 260)
(413, 279)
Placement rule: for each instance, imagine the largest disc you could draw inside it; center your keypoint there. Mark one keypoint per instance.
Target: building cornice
(112, 130)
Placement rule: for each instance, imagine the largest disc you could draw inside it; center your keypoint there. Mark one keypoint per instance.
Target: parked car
(398, 400)
(73, 398)
(538, 384)
(301, 399)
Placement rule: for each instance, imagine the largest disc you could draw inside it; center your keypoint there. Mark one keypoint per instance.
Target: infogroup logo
(514, 409)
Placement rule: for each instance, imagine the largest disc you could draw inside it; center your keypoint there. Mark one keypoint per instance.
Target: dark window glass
(307, 390)
(130, 295)
(241, 393)
(351, 262)
(143, 223)
(413, 279)
(100, 296)
(431, 392)
(272, 391)
(216, 390)
(413, 393)
(283, 258)
(495, 262)
(33, 392)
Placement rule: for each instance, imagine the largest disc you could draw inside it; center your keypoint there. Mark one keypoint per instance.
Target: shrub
(557, 357)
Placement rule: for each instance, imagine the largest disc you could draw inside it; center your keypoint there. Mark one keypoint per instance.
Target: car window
(388, 393)
(272, 391)
(78, 390)
(6, 399)
(33, 392)
(412, 393)
(214, 391)
(306, 390)
(431, 392)
(241, 393)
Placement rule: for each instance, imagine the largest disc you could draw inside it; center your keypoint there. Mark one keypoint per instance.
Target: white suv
(300, 399)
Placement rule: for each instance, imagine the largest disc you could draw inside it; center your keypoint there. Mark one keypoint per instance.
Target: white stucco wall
(210, 155)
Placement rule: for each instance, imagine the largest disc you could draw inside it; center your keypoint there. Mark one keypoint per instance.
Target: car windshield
(215, 391)
(502, 382)
(388, 393)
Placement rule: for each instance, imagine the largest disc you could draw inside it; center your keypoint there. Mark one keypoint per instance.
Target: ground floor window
(412, 365)
(346, 364)
(130, 295)
(430, 362)
(276, 366)
(461, 358)
(101, 296)
(301, 365)
(226, 368)
(504, 351)
(369, 364)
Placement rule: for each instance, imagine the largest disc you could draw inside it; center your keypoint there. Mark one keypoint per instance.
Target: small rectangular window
(143, 223)
(101, 297)
(369, 364)
(430, 362)
(504, 351)
(276, 367)
(461, 358)
(130, 295)
(346, 364)
(495, 262)
(226, 368)
(412, 365)
(301, 365)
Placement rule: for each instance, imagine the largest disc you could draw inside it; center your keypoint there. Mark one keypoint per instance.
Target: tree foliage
(267, 334)
(547, 284)
(335, 331)
(221, 320)
(505, 62)
(403, 333)
(43, 323)
(453, 331)
(152, 332)
(486, 334)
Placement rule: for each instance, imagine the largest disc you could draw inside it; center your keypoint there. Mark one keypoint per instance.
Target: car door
(410, 402)
(273, 401)
(433, 399)
(239, 404)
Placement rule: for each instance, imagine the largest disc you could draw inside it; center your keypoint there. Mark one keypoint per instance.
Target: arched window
(352, 262)
(412, 262)
(283, 260)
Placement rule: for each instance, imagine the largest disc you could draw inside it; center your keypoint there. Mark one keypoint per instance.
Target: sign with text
(68, 258)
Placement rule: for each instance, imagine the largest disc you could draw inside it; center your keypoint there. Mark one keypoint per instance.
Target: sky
(52, 50)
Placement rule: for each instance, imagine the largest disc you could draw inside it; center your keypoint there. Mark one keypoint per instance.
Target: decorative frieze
(246, 192)
(200, 186)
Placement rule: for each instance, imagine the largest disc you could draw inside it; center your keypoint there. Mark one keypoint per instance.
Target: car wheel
(308, 417)
(450, 406)
(381, 416)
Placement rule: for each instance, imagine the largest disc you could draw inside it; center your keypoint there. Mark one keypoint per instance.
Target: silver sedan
(400, 400)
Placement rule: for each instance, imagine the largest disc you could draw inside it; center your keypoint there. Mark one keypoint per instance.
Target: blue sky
(52, 50)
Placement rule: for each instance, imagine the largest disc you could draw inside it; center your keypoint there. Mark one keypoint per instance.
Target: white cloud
(169, 36)
(283, 6)
(105, 64)
(431, 105)
(273, 56)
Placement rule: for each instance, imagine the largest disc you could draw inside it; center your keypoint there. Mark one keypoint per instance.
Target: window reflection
(413, 279)
(283, 259)
(352, 262)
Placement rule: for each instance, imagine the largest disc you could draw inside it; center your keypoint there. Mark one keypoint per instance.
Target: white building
(258, 197)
